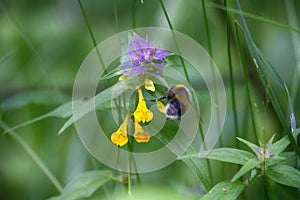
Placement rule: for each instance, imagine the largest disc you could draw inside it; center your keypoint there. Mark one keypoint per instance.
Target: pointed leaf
(82, 108)
(252, 146)
(249, 165)
(253, 16)
(279, 146)
(70, 121)
(84, 185)
(225, 191)
(62, 111)
(98, 101)
(271, 80)
(289, 158)
(285, 175)
(229, 155)
(46, 97)
(199, 167)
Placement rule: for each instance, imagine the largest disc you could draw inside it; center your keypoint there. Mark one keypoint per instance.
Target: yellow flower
(149, 85)
(119, 137)
(123, 77)
(161, 107)
(142, 113)
(139, 134)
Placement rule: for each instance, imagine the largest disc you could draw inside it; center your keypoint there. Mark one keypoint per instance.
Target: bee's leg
(156, 100)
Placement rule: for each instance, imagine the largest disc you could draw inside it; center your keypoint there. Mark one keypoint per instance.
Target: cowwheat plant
(257, 154)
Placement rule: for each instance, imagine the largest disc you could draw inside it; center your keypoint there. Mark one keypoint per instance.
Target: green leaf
(253, 16)
(229, 155)
(279, 146)
(62, 111)
(225, 191)
(100, 99)
(249, 165)
(271, 80)
(70, 121)
(285, 175)
(67, 124)
(82, 107)
(84, 185)
(276, 160)
(199, 167)
(289, 158)
(46, 97)
(252, 146)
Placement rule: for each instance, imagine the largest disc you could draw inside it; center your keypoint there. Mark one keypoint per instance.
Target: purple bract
(142, 57)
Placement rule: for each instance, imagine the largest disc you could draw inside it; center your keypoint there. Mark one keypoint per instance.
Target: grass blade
(267, 73)
(35, 157)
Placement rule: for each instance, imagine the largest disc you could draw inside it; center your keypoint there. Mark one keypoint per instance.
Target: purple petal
(138, 43)
(271, 156)
(160, 54)
(125, 71)
(126, 64)
(136, 70)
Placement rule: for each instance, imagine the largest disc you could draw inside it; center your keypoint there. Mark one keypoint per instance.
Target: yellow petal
(149, 85)
(123, 77)
(142, 113)
(139, 134)
(161, 107)
(119, 137)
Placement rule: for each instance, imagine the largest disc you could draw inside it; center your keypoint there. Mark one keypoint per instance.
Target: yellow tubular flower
(142, 113)
(119, 137)
(139, 134)
(149, 85)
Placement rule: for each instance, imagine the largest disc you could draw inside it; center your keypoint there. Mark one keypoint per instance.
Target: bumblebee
(178, 98)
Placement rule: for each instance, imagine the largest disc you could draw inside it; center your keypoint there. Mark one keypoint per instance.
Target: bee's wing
(184, 102)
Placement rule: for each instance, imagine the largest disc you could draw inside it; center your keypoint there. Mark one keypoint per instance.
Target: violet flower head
(263, 153)
(142, 57)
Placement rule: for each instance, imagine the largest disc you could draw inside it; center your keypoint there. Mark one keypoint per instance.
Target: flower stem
(177, 47)
(214, 81)
(34, 156)
(231, 75)
(91, 34)
(247, 82)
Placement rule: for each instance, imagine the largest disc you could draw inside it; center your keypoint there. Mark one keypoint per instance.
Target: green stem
(129, 174)
(246, 82)
(231, 75)
(206, 28)
(91, 34)
(214, 78)
(133, 14)
(34, 156)
(260, 60)
(116, 16)
(176, 44)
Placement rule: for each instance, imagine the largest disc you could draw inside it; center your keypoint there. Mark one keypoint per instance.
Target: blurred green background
(42, 44)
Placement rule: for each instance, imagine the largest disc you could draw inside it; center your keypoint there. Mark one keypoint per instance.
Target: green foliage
(259, 163)
(270, 77)
(41, 47)
(229, 155)
(284, 174)
(200, 168)
(225, 191)
(45, 97)
(249, 165)
(102, 102)
(84, 185)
